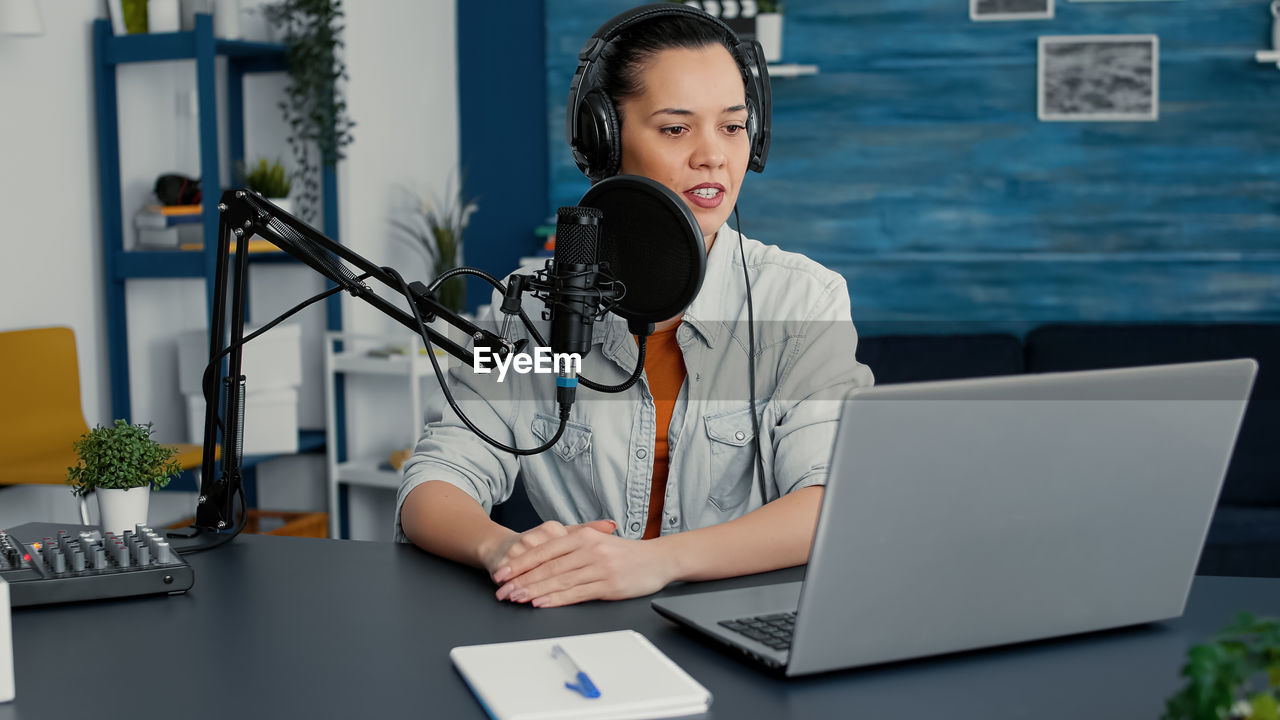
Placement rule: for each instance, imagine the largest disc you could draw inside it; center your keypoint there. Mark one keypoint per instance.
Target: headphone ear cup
(755, 75)
(598, 149)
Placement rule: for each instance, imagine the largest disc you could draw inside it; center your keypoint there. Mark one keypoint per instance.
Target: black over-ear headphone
(592, 124)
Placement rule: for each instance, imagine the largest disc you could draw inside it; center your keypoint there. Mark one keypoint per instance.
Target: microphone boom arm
(255, 215)
(243, 214)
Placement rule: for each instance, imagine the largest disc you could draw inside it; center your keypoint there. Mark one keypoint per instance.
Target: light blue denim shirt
(602, 466)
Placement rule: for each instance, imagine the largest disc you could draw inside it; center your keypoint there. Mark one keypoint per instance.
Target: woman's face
(687, 129)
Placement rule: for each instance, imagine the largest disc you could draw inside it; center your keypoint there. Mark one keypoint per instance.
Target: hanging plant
(313, 108)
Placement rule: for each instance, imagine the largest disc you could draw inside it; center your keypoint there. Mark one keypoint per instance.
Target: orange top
(664, 366)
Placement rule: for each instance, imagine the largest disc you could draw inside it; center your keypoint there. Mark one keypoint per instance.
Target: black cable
(533, 331)
(642, 341)
(751, 359)
(444, 386)
(537, 337)
(206, 382)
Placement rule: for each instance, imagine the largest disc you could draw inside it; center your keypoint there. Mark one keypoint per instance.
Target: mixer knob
(77, 561)
(144, 555)
(164, 554)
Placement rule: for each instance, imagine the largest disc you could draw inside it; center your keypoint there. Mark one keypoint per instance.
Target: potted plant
(269, 179)
(435, 228)
(769, 29)
(313, 108)
(121, 464)
(1236, 675)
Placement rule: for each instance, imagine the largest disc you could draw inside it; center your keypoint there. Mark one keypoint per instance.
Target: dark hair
(623, 60)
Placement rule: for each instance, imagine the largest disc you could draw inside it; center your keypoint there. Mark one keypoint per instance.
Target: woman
(662, 482)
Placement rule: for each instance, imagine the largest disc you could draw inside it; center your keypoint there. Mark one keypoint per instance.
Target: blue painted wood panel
(915, 166)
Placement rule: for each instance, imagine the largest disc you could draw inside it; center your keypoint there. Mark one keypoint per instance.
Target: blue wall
(914, 165)
(503, 134)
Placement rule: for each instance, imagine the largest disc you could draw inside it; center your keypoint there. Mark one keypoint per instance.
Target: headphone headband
(592, 125)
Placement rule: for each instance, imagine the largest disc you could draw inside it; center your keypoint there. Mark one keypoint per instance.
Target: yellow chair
(41, 417)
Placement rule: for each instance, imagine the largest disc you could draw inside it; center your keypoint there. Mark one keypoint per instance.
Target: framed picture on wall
(1110, 78)
(1010, 9)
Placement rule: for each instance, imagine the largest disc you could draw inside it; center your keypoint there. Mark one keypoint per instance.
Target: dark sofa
(1244, 538)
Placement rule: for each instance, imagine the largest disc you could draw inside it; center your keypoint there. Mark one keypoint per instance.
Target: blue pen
(577, 680)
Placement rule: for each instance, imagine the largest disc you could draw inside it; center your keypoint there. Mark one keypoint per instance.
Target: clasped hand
(553, 565)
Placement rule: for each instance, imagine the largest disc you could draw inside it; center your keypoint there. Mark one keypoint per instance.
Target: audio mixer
(46, 564)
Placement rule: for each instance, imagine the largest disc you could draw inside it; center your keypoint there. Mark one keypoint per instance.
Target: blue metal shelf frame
(119, 265)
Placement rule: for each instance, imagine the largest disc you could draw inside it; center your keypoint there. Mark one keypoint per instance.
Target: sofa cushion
(1253, 477)
(1243, 541)
(915, 358)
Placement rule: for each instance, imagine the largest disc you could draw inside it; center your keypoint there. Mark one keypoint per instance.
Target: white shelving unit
(790, 70)
(354, 359)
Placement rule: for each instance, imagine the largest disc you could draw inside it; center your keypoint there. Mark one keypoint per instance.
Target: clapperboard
(739, 15)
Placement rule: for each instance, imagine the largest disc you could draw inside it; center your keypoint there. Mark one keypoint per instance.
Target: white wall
(49, 229)
(402, 94)
(401, 55)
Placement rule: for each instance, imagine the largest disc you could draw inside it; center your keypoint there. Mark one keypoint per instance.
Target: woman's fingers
(576, 537)
(522, 543)
(560, 574)
(598, 590)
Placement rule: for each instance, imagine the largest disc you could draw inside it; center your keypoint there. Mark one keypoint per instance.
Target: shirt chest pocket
(732, 454)
(574, 445)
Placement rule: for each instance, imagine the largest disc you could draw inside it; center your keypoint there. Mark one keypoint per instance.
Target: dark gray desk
(284, 627)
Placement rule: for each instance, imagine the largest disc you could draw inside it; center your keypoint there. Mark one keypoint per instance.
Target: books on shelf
(257, 245)
(174, 209)
(148, 218)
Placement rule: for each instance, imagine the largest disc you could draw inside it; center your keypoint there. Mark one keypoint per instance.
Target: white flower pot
(121, 510)
(163, 16)
(226, 19)
(769, 33)
(284, 204)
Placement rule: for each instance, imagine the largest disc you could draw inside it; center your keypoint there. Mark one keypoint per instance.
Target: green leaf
(1264, 707)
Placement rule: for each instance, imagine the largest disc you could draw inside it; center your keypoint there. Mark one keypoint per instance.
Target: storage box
(271, 362)
(270, 421)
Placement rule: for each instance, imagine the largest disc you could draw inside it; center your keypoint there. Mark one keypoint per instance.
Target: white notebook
(524, 681)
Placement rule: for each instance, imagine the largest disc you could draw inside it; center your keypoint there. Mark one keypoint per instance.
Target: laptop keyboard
(772, 630)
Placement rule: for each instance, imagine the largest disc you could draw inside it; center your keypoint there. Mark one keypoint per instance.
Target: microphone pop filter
(652, 243)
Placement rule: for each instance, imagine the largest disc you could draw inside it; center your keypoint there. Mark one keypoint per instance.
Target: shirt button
(674, 521)
(642, 453)
(740, 435)
(635, 527)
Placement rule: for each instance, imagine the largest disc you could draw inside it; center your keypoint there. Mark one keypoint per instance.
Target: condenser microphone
(574, 297)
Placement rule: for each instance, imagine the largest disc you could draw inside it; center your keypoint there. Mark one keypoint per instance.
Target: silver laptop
(966, 514)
